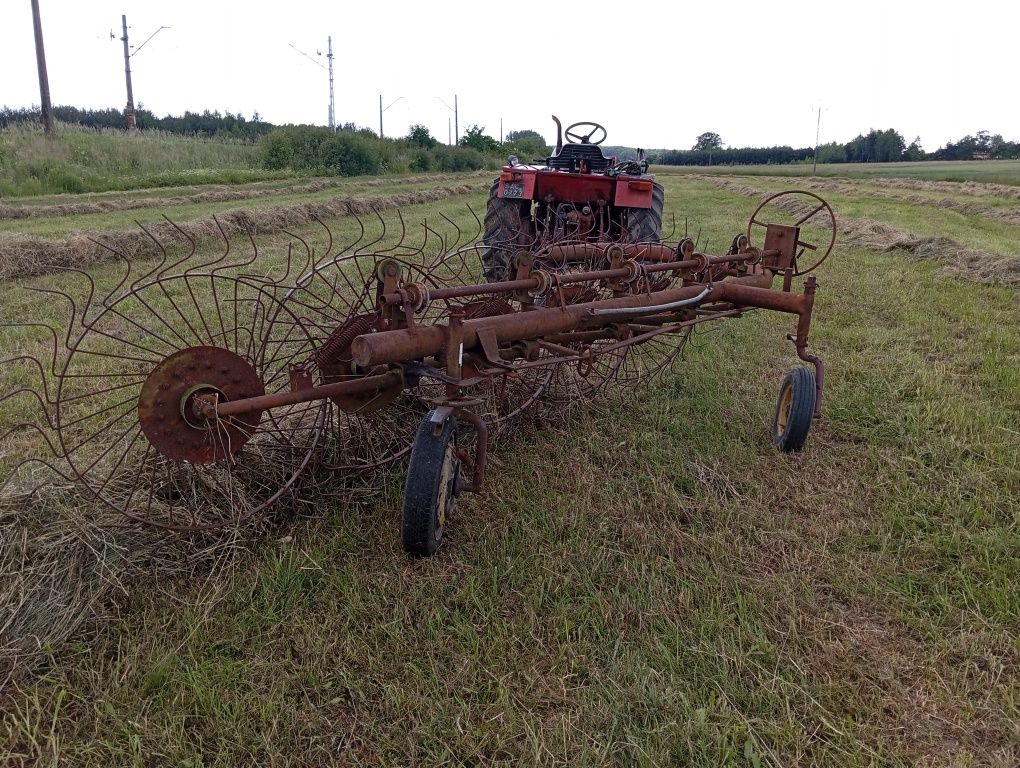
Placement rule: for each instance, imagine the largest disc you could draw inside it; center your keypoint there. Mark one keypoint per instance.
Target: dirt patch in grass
(219, 195)
(959, 260)
(24, 256)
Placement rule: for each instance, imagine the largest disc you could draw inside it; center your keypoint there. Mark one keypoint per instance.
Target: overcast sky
(655, 74)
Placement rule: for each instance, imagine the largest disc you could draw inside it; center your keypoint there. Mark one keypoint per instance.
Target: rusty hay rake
(198, 392)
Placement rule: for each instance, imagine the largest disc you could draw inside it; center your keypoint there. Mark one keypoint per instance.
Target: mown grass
(57, 226)
(988, 171)
(645, 582)
(972, 230)
(85, 160)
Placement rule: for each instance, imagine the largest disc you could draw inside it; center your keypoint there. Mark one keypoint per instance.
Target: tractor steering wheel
(585, 138)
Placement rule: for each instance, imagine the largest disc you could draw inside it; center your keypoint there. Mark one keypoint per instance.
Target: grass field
(987, 171)
(80, 160)
(645, 582)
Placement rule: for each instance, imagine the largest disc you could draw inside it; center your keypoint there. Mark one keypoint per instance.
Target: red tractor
(579, 195)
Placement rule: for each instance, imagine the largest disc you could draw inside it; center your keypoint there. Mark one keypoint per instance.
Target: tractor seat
(572, 155)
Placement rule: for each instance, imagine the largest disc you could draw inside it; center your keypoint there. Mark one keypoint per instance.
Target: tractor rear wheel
(505, 222)
(644, 225)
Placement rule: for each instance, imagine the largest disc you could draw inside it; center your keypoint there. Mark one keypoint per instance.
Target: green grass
(83, 160)
(988, 171)
(972, 230)
(644, 583)
(59, 226)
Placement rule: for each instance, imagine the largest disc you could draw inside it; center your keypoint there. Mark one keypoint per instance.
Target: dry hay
(959, 260)
(25, 256)
(218, 194)
(61, 562)
(973, 188)
(966, 188)
(859, 187)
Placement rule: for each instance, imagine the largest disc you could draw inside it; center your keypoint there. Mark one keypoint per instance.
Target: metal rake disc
(122, 412)
(608, 366)
(332, 304)
(503, 398)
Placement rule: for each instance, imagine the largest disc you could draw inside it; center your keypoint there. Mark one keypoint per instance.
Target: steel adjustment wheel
(794, 410)
(431, 489)
(800, 209)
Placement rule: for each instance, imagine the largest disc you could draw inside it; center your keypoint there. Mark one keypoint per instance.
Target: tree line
(874, 147)
(877, 146)
(206, 123)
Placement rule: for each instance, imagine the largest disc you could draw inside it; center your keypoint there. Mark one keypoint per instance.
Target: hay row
(972, 188)
(61, 561)
(959, 260)
(857, 188)
(218, 194)
(27, 256)
(967, 188)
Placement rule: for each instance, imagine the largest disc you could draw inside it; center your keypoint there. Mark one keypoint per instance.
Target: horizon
(250, 63)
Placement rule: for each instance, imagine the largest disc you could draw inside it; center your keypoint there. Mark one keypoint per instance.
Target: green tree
(419, 136)
(914, 151)
(877, 147)
(475, 138)
(524, 135)
(708, 141)
(526, 144)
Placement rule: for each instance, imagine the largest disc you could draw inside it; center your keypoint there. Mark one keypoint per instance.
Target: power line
(381, 110)
(329, 57)
(130, 109)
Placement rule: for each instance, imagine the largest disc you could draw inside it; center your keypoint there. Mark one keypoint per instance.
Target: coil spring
(490, 308)
(342, 338)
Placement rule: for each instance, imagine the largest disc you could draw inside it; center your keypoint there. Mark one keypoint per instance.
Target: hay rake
(200, 391)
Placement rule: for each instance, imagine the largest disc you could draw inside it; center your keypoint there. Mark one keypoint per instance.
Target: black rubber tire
(644, 225)
(431, 484)
(504, 222)
(794, 410)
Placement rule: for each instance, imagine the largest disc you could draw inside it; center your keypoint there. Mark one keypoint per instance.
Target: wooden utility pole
(456, 127)
(44, 80)
(130, 110)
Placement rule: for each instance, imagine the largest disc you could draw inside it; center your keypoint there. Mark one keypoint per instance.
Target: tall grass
(87, 160)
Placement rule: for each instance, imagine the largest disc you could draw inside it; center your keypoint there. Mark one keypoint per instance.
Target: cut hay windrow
(857, 187)
(973, 188)
(27, 256)
(219, 194)
(60, 561)
(959, 260)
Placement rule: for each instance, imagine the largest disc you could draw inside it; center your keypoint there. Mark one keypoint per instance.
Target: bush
(452, 159)
(350, 152)
(276, 151)
(422, 162)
